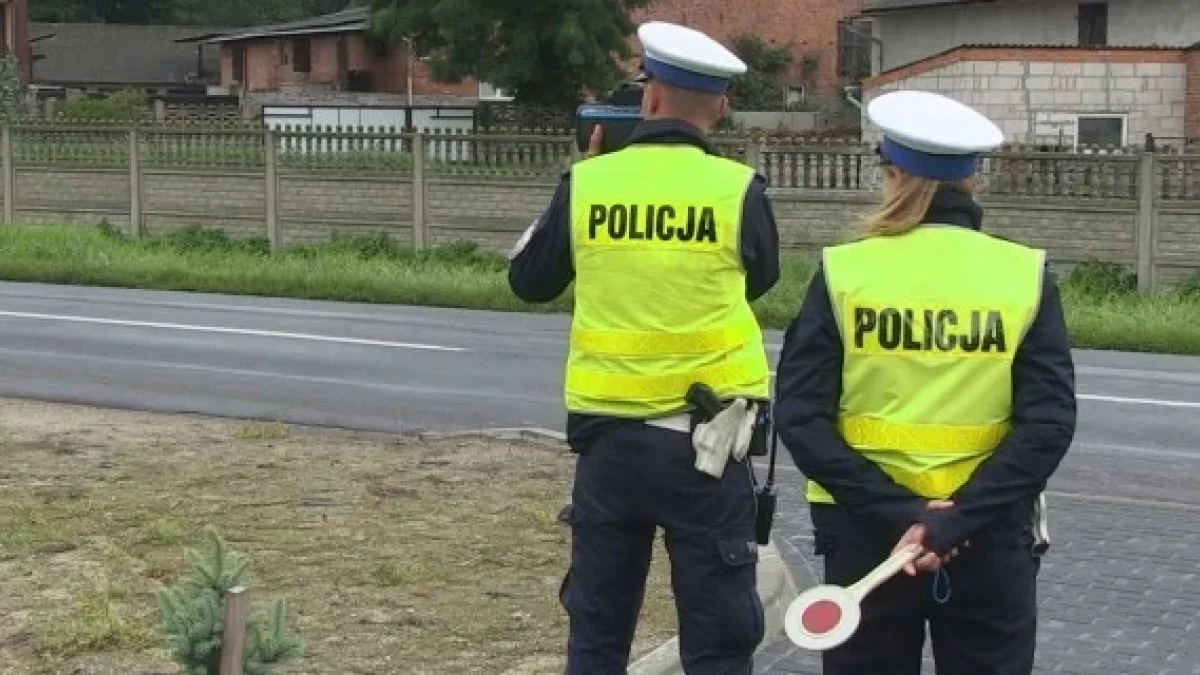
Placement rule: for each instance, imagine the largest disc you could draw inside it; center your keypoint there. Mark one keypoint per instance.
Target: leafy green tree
(544, 52)
(761, 87)
(14, 96)
(193, 616)
(127, 105)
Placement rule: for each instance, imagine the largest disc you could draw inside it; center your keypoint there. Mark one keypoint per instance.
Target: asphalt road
(1120, 591)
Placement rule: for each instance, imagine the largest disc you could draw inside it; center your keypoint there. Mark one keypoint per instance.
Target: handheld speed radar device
(617, 115)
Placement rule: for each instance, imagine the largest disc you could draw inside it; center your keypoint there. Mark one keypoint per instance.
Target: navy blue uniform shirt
(1003, 489)
(543, 270)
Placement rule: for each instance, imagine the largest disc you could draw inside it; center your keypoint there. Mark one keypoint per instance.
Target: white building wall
(1038, 102)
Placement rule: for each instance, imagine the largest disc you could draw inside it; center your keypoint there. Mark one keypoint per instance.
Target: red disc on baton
(821, 617)
(824, 617)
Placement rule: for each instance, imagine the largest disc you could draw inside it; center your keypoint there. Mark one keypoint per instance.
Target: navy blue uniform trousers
(984, 624)
(628, 481)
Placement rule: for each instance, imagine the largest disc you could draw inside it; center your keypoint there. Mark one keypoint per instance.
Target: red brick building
(14, 35)
(334, 52)
(1191, 60)
(809, 27)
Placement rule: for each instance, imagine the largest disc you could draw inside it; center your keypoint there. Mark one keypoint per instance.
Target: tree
(193, 617)
(760, 88)
(14, 96)
(544, 52)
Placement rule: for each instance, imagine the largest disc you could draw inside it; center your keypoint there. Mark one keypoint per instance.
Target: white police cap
(687, 58)
(931, 135)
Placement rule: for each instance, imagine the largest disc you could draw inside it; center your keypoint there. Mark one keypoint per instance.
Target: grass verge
(1103, 309)
(394, 555)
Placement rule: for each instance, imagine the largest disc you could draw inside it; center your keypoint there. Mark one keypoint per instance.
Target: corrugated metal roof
(348, 20)
(99, 53)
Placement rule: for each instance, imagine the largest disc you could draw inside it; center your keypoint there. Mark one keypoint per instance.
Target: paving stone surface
(1120, 589)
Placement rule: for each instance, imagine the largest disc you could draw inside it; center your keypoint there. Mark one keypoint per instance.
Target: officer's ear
(651, 99)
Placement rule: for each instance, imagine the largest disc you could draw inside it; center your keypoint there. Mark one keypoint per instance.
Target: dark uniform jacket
(543, 269)
(1004, 487)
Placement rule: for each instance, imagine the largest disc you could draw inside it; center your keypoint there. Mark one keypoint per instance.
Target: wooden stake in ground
(233, 641)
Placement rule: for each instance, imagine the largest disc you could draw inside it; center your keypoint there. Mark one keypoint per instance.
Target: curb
(532, 434)
(776, 588)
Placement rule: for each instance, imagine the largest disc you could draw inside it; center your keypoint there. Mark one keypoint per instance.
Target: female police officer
(926, 390)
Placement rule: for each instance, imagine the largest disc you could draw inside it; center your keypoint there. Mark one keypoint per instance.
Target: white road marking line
(242, 309)
(1140, 401)
(1165, 403)
(232, 331)
(1089, 449)
(261, 374)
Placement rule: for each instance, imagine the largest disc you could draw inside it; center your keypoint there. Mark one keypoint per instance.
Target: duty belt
(681, 423)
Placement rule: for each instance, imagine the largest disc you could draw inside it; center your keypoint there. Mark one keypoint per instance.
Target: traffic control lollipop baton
(824, 617)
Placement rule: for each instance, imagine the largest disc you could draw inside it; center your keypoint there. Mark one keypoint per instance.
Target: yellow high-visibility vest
(660, 289)
(930, 322)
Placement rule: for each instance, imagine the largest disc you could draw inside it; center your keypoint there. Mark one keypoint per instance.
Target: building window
(1093, 24)
(796, 96)
(488, 91)
(302, 55)
(854, 49)
(1100, 131)
(239, 64)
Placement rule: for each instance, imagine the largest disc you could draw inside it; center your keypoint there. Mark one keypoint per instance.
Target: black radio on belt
(706, 405)
(617, 115)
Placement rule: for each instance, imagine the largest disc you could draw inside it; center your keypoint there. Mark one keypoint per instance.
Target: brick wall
(1177, 240)
(495, 214)
(808, 26)
(1192, 115)
(233, 201)
(315, 206)
(1071, 231)
(61, 194)
(1035, 95)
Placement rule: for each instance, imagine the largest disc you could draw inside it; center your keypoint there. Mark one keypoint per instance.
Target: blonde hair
(906, 200)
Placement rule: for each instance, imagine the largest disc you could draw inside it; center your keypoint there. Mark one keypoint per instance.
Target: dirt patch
(395, 555)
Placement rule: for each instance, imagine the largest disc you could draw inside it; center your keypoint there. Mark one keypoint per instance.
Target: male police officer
(926, 389)
(667, 243)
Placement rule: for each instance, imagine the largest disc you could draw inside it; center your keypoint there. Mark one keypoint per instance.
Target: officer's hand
(926, 561)
(938, 505)
(596, 142)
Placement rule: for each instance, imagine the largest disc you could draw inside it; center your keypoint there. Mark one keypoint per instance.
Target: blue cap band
(927, 165)
(685, 79)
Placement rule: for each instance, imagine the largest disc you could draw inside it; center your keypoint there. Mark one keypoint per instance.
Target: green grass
(96, 621)
(1103, 309)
